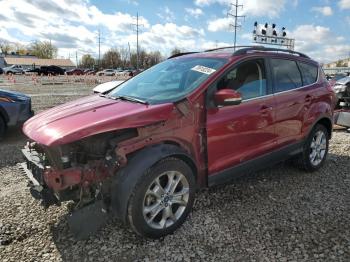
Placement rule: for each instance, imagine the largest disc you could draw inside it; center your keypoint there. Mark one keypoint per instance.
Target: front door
(241, 132)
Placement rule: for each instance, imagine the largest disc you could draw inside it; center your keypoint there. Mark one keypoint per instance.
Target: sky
(320, 27)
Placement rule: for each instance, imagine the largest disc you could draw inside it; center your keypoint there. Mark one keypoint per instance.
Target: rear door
(242, 132)
(292, 100)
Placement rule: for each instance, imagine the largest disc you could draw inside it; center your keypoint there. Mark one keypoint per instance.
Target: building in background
(340, 63)
(29, 61)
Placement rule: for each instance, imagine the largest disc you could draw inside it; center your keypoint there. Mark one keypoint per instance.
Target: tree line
(40, 49)
(113, 58)
(120, 58)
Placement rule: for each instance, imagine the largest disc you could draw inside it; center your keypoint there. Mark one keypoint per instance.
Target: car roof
(232, 53)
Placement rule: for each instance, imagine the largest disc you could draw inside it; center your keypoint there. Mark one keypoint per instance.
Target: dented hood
(89, 116)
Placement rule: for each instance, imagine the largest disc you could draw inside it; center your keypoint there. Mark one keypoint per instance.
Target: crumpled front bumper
(34, 170)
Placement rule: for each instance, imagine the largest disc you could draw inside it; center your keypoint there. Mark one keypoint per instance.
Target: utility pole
(137, 25)
(76, 58)
(137, 39)
(236, 17)
(99, 48)
(129, 54)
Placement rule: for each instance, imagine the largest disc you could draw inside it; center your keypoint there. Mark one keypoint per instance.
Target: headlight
(339, 88)
(6, 99)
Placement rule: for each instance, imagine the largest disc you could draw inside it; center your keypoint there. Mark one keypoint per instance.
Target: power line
(236, 17)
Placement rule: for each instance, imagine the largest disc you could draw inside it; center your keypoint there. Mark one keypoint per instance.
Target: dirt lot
(280, 214)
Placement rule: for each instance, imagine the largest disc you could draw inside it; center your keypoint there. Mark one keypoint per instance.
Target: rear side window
(286, 74)
(309, 73)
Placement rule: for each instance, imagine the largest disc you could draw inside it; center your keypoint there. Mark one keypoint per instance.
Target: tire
(166, 215)
(2, 128)
(314, 153)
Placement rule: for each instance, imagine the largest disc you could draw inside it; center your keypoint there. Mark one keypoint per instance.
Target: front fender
(126, 178)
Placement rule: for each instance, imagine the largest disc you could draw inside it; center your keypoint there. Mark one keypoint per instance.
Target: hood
(90, 116)
(105, 87)
(16, 96)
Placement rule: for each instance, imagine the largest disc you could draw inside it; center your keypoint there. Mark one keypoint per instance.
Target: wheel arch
(327, 123)
(127, 177)
(4, 114)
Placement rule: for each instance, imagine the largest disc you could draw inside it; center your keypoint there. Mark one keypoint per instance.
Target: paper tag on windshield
(203, 69)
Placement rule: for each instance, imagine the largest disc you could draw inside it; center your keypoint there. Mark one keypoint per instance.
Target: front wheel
(315, 149)
(162, 198)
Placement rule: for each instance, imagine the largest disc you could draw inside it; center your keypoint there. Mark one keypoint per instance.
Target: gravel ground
(279, 214)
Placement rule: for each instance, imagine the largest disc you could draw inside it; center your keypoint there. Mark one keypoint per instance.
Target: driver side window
(248, 78)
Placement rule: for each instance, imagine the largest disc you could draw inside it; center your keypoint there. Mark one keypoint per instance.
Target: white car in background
(106, 72)
(14, 69)
(105, 87)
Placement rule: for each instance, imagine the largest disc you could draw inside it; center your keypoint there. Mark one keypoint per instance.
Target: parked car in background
(107, 72)
(106, 87)
(342, 90)
(52, 70)
(140, 151)
(15, 109)
(336, 77)
(75, 71)
(14, 69)
(89, 72)
(1, 71)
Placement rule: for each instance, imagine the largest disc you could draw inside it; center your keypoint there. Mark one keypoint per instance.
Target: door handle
(308, 99)
(264, 110)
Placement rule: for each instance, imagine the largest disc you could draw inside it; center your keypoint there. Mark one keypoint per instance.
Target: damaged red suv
(140, 151)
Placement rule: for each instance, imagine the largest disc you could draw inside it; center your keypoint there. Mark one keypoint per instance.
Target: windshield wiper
(126, 98)
(132, 99)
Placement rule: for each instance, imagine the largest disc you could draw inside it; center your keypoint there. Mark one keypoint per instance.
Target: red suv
(140, 151)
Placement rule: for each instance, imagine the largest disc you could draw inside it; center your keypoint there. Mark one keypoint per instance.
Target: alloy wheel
(166, 200)
(318, 148)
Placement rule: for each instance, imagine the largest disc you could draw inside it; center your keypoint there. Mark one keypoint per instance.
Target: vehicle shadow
(266, 198)
(10, 147)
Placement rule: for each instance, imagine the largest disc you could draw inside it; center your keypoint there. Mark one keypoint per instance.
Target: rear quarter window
(286, 75)
(309, 73)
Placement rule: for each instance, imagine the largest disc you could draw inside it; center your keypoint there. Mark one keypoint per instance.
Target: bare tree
(43, 49)
(5, 46)
(124, 56)
(111, 59)
(87, 61)
(176, 51)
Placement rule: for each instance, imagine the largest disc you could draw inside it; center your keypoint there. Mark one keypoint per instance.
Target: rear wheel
(315, 149)
(162, 198)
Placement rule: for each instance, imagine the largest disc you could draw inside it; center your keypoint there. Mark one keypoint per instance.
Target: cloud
(324, 10)
(256, 8)
(220, 24)
(344, 4)
(195, 12)
(167, 15)
(320, 42)
(73, 25)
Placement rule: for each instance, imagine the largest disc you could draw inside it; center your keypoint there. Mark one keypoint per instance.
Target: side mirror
(227, 97)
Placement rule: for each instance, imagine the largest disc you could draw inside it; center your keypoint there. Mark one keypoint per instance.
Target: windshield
(170, 80)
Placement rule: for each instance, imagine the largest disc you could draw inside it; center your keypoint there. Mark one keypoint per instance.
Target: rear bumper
(34, 172)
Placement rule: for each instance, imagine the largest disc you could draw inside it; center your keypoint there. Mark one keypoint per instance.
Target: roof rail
(228, 47)
(181, 54)
(266, 49)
